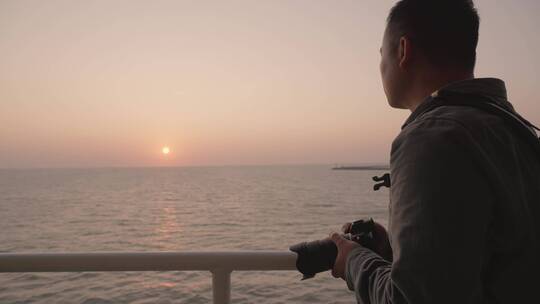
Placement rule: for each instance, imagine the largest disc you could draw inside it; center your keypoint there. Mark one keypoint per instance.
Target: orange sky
(109, 83)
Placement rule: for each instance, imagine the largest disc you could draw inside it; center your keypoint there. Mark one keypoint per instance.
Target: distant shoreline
(365, 168)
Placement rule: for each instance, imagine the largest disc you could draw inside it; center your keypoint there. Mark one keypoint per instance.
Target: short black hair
(445, 30)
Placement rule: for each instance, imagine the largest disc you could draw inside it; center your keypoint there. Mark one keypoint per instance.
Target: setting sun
(165, 150)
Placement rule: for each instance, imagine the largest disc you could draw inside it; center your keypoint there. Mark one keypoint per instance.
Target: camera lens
(315, 257)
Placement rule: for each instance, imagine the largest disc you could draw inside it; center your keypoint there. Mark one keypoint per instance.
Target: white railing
(220, 264)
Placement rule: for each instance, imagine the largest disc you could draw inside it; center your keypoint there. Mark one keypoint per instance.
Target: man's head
(427, 44)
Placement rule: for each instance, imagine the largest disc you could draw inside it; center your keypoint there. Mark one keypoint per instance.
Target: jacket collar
(492, 88)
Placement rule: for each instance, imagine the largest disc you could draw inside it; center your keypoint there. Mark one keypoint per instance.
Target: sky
(238, 82)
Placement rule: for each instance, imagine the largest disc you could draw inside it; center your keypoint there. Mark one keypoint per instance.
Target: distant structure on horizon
(365, 168)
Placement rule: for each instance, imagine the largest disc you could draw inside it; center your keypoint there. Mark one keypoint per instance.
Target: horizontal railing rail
(220, 264)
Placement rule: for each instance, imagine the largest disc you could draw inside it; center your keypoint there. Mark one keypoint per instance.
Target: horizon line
(196, 166)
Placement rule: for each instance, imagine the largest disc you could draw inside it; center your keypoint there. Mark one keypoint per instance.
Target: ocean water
(178, 209)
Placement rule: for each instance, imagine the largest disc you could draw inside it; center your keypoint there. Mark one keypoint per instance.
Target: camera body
(320, 255)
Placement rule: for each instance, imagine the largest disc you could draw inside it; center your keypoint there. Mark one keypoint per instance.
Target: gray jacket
(464, 220)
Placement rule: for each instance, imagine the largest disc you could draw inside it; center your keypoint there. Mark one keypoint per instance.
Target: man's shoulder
(449, 128)
(468, 117)
(448, 121)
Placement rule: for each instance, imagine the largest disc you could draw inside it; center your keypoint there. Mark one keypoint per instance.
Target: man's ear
(404, 52)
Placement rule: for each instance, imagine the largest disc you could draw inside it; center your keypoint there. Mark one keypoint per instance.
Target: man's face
(393, 76)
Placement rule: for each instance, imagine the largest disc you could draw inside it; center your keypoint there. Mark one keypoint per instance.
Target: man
(464, 224)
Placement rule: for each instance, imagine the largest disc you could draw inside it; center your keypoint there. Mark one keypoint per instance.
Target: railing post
(221, 286)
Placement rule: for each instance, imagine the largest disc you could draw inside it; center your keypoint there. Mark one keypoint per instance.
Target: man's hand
(381, 241)
(344, 247)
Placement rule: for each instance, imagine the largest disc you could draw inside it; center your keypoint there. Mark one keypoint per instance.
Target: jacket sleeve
(439, 215)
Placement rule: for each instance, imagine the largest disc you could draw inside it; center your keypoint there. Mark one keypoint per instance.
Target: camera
(320, 255)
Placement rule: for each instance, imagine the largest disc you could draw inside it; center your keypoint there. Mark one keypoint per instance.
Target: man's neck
(429, 85)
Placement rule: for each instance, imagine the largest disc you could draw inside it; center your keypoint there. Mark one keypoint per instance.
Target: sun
(165, 150)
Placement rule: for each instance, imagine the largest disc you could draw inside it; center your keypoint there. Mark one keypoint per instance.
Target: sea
(178, 209)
